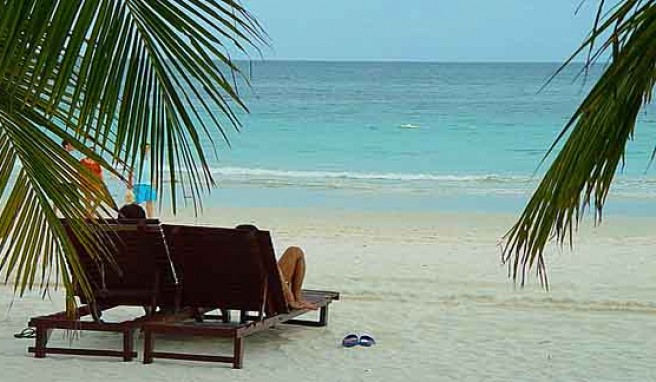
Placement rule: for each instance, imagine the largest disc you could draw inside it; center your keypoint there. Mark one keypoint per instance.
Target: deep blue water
(408, 136)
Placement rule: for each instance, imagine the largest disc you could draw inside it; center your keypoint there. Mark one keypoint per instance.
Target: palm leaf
(109, 76)
(583, 171)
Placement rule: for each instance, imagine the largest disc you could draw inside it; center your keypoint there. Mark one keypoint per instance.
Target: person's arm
(286, 290)
(129, 183)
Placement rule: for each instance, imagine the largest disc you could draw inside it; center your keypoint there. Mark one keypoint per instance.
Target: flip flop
(366, 341)
(350, 340)
(26, 333)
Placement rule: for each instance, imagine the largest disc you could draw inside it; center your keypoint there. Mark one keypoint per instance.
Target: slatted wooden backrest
(142, 265)
(219, 267)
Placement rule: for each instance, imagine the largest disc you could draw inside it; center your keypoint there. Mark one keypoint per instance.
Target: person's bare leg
(292, 264)
(89, 205)
(292, 268)
(149, 209)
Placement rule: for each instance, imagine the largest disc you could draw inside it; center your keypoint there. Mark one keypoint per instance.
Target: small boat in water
(409, 126)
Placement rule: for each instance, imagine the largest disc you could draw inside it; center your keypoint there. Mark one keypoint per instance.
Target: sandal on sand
(366, 341)
(350, 340)
(26, 333)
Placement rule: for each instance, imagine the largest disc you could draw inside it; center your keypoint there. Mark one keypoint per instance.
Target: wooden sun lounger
(234, 270)
(45, 324)
(145, 277)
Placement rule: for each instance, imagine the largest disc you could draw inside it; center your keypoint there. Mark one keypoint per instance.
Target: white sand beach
(429, 287)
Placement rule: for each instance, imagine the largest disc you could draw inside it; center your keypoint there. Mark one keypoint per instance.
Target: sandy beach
(429, 287)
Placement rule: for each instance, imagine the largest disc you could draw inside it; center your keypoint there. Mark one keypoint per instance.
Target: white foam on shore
(430, 288)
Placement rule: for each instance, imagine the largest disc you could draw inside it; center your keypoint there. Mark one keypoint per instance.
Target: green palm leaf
(109, 76)
(584, 169)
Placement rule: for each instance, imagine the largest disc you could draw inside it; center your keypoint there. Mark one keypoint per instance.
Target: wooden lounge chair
(234, 270)
(144, 276)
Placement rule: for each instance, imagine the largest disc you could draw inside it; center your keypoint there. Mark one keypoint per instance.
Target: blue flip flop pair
(352, 340)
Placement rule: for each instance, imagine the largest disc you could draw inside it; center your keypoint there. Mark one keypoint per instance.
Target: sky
(424, 30)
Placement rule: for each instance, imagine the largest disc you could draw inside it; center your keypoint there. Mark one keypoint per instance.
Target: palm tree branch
(583, 171)
(108, 76)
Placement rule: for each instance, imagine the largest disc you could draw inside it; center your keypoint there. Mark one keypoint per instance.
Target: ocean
(405, 136)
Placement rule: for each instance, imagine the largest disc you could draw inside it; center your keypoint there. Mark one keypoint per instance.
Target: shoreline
(304, 219)
(351, 230)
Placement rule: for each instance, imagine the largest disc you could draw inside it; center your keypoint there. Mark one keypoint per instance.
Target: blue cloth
(144, 193)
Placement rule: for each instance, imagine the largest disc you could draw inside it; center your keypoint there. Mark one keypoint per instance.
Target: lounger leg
(128, 345)
(199, 315)
(323, 316)
(95, 310)
(238, 353)
(40, 342)
(176, 300)
(149, 344)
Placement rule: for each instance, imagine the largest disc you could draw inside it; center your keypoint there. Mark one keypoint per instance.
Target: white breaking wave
(473, 184)
(349, 175)
(385, 182)
(626, 187)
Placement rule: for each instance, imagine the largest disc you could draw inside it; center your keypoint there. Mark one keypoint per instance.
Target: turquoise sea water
(408, 136)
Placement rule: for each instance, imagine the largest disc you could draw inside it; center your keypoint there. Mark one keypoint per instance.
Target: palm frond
(109, 76)
(584, 169)
(32, 240)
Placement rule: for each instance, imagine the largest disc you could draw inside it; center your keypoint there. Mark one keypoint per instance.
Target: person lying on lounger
(131, 211)
(291, 267)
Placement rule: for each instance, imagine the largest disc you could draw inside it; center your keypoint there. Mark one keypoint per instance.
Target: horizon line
(410, 61)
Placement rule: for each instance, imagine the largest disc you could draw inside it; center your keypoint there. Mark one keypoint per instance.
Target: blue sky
(423, 30)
